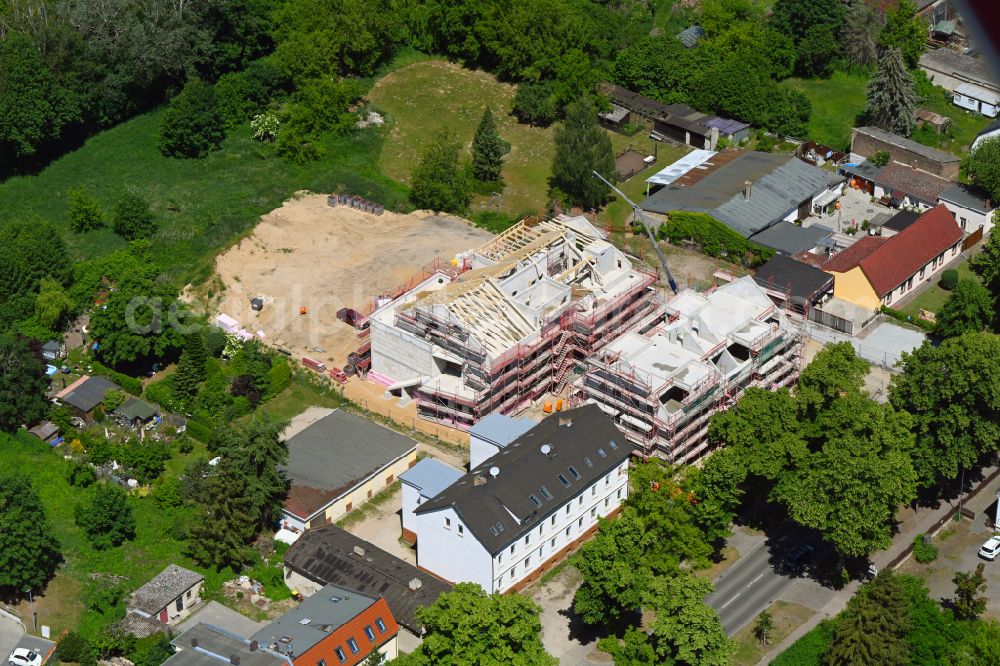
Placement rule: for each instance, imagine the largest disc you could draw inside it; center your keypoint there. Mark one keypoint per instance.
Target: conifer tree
(874, 627)
(191, 368)
(892, 99)
(582, 147)
(488, 150)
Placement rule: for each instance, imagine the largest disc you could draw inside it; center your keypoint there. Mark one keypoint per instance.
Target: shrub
(714, 238)
(923, 550)
(199, 430)
(133, 217)
(107, 518)
(163, 395)
(167, 494)
(80, 475)
(113, 399)
(192, 125)
(76, 649)
(949, 279)
(896, 314)
(103, 597)
(214, 340)
(535, 104)
(84, 211)
(130, 384)
(810, 649)
(880, 158)
(278, 377)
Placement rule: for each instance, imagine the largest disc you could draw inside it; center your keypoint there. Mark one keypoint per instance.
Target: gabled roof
(923, 185)
(906, 144)
(788, 238)
(134, 408)
(329, 554)
(216, 647)
(166, 586)
(583, 445)
(891, 261)
(799, 280)
(86, 393)
(430, 476)
(968, 196)
(334, 454)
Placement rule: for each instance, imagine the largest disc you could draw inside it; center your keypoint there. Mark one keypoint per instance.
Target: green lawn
(836, 103)
(618, 212)
(203, 205)
(424, 97)
(965, 125)
(934, 297)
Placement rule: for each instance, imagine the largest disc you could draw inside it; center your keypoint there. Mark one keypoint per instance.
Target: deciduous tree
(135, 327)
(835, 371)
(969, 309)
(986, 263)
(892, 100)
(29, 551)
(488, 149)
(52, 304)
(582, 147)
(133, 216)
(983, 166)
(813, 25)
(440, 182)
(969, 605)
(84, 210)
(106, 518)
(763, 627)
(860, 33)
(23, 383)
(904, 30)
(192, 125)
(686, 629)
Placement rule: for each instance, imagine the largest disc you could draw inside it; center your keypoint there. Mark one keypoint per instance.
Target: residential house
(950, 69)
(336, 626)
(422, 482)
(988, 132)
(162, 602)
(908, 186)
(979, 99)
(338, 463)
(793, 285)
(85, 395)
(493, 433)
(879, 270)
(972, 208)
(331, 555)
(866, 141)
(208, 645)
(748, 191)
(519, 512)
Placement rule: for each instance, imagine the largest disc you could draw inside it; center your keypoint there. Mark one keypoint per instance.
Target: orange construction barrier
(558, 405)
(547, 407)
(303, 310)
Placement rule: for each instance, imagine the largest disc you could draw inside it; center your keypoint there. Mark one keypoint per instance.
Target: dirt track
(307, 254)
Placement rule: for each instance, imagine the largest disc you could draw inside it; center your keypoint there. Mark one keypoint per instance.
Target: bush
(84, 211)
(80, 475)
(167, 494)
(494, 221)
(896, 314)
(102, 597)
(76, 649)
(880, 158)
(278, 377)
(215, 341)
(242, 94)
(133, 217)
(199, 430)
(714, 238)
(192, 125)
(273, 580)
(949, 279)
(923, 550)
(130, 384)
(810, 649)
(163, 395)
(535, 104)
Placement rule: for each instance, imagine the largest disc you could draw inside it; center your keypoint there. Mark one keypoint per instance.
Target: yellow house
(880, 270)
(338, 463)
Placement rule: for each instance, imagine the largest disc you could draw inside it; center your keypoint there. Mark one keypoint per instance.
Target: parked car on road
(990, 549)
(24, 657)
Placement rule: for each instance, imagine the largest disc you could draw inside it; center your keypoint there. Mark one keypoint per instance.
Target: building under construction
(664, 379)
(509, 322)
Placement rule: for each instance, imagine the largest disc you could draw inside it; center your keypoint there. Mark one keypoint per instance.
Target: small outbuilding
(257, 304)
(52, 350)
(164, 601)
(977, 98)
(136, 413)
(47, 431)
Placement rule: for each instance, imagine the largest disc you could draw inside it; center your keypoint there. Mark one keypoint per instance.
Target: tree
(468, 626)
(986, 264)
(488, 150)
(29, 551)
(192, 125)
(191, 367)
(813, 25)
(954, 410)
(439, 181)
(84, 210)
(633, 649)
(33, 250)
(834, 371)
(135, 327)
(52, 304)
(23, 383)
(763, 627)
(107, 518)
(817, 52)
(880, 157)
(318, 107)
(223, 530)
(860, 34)
(133, 217)
(374, 658)
(872, 631)
(686, 629)
(582, 147)
(983, 166)
(892, 100)
(615, 575)
(969, 309)
(906, 31)
(254, 453)
(968, 604)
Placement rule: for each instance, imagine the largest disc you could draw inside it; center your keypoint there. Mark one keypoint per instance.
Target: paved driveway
(10, 634)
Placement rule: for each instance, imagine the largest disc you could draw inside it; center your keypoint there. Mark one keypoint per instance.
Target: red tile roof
(888, 262)
(847, 259)
(914, 182)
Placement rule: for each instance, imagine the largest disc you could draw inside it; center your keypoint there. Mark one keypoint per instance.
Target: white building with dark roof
(519, 512)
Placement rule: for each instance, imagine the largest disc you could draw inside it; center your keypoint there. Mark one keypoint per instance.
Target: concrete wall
(867, 146)
(191, 598)
(400, 355)
(479, 450)
(459, 557)
(928, 273)
(970, 220)
(854, 287)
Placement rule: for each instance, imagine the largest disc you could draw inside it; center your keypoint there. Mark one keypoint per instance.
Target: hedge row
(713, 237)
(130, 384)
(896, 314)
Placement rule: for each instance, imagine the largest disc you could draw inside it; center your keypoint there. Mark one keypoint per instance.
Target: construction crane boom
(638, 213)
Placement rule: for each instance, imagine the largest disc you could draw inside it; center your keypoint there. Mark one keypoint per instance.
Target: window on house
(527, 539)
(188, 595)
(500, 581)
(963, 223)
(588, 462)
(888, 298)
(447, 523)
(601, 453)
(593, 511)
(527, 562)
(922, 271)
(593, 490)
(499, 558)
(321, 662)
(607, 481)
(553, 521)
(353, 644)
(613, 445)
(619, 493)
(380, 624)
(461, 530)
(606, 501)
(579, 523)
(575, 474)
(341, 655)
(552, 544)
(370, 633)
(567, 509)
(567, 532)
(579, 500)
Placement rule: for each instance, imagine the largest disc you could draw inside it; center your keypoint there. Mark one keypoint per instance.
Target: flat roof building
(208, 645)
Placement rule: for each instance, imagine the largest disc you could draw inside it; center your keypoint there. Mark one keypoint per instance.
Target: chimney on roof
(254, 645)
(234, 659)
(565, 421)
(479, 480)
(415, 584)
(359, 551)
(747, 189)
(194, 642)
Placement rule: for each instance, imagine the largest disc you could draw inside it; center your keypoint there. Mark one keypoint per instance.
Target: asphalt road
(746, 589)
(10, 633)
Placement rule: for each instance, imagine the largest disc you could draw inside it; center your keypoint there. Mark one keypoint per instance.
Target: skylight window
(563, 480)
(576, 474)
(499, 527)
(601, 453)
(614, 447)
(535, 500)
(545, 492)
(588, 462)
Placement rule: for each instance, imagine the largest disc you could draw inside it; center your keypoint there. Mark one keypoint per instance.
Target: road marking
(730, 601)
(754, 580)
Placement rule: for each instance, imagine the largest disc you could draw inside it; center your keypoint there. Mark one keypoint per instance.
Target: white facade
(927, 273)
(978, 99)
(447, 548)
(971, 219)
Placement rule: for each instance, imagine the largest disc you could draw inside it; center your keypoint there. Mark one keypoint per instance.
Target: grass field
(202, 205)
(426, 96)
(786, 617)
(934, 297)
(836, 103)
(965, 125)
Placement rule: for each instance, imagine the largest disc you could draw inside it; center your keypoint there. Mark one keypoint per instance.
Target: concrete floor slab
(885, 343)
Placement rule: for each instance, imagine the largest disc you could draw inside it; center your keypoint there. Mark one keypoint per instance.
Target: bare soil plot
(786, 617)
(307, 254)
